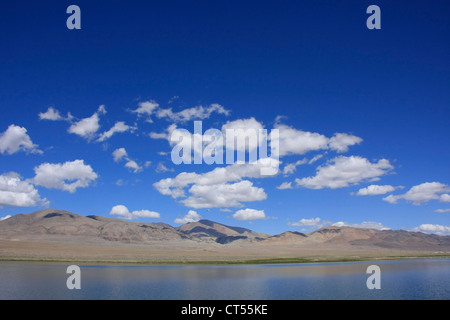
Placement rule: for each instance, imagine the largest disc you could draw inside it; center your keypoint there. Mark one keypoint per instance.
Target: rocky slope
(62, 226)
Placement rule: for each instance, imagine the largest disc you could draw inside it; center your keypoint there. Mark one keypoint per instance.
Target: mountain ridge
(205, 237)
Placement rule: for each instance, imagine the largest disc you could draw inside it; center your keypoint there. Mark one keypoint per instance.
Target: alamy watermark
(233, 145)
(374, 281)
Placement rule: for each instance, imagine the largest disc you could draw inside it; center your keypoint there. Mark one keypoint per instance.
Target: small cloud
(5, 217)
(191, 216)
(434, 229)
(442, 210)
(249, 214)
(162, 168)
(119, 154)
(285, 185)
(124, 213)
(364, 225)
(16, 139)
(88, 127)
(375, 190)
(53, 114)
(291, 167)
(118, 127)
(314, 222)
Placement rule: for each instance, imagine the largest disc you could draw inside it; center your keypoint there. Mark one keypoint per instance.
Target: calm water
(403, 279)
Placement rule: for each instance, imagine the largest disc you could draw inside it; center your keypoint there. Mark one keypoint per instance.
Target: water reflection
(403, 279)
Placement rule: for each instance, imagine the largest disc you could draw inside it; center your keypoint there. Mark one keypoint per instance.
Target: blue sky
(310, 69)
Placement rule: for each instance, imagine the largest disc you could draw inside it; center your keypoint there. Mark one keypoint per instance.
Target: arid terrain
(60, 235)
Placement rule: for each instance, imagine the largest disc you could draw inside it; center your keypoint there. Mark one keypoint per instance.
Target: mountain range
(43, 233)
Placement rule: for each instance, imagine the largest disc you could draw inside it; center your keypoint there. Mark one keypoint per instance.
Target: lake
(400, 279)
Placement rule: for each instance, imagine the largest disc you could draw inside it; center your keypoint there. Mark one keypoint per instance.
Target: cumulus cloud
(53, 114)
(223, 195)
(88, 127)
(422, 193)
(191, 216)
(16, 192)
(131, 164)
(313, 222)
(249, 214)
(67, 176)
(294, 141)
(16, 139)
(433, 228)
(343, 171)
(146, 108)
(364, 225)
(285, 185)
(121, 154)
(118, 127)
(375, 190)
(124, 213)
(243, 129)
(341, 141)
(221, 187)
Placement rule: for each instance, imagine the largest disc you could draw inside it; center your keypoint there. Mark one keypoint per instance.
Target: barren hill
(60, 234)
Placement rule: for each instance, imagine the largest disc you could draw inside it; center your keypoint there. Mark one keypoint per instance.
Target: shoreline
(265, 261)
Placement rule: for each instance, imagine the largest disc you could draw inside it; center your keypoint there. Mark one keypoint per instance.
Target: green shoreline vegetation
(292, 260)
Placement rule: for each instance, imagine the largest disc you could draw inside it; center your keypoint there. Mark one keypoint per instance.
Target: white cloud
(290, 168)
(216, 180)
(118, 127)
(285, 185)
(375, 190)
(5, 217)
(433, 228)
(119, 154)
(421, 193)
(194, 113)
(124, 213)
(344, 171)
(442, 210)
(365, 225)
(50, 114)
(243, 129)
(223, 195)
(88, 127)
(191, 216)
(131, 164)
(444, 198)
(293, 141)
(146, 107)
(314, 222)
(162, 168)
(16, 139)
(249, 214)
(18, 193)
(53, 114)
(341, 141)
(314, 159)
(67, 176)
